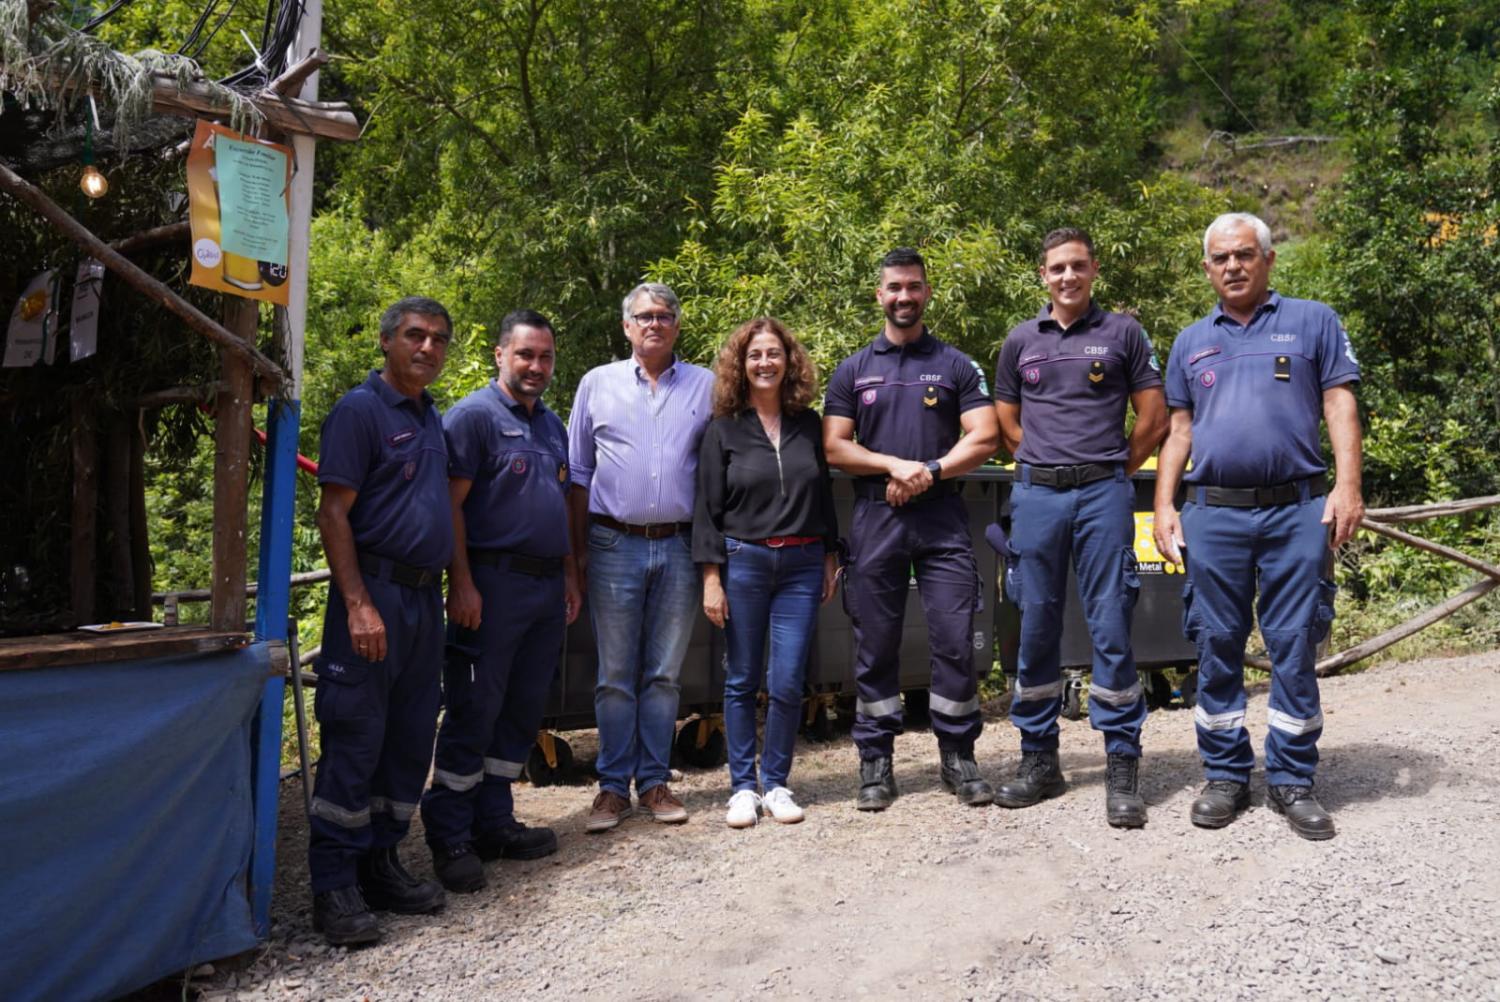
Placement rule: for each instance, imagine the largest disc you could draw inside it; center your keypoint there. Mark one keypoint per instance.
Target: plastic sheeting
(125, 821)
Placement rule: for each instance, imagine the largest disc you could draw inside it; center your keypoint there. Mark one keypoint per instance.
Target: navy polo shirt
(1256, 391)
(389, 448)
(1072, 385)
(906, 399)
(518, 462)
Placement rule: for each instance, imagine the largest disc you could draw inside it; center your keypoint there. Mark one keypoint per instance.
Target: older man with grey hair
(633, 443)
(1249, 386)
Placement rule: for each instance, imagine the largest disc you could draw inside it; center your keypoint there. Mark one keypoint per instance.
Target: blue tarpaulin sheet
(125, 821)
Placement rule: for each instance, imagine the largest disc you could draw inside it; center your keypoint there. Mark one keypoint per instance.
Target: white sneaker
(782, 807)
(744, 810)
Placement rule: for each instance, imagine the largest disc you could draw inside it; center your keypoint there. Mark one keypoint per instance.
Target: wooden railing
(1377, 521)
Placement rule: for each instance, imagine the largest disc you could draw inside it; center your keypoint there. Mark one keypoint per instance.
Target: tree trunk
(85, 502)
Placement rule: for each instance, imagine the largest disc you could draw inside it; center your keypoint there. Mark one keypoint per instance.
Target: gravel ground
(936, 900)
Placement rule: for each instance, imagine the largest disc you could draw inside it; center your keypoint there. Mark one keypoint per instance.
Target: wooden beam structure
(325, 120)
(28, 194)
(154, 237)
(232, 424)
(295, 76)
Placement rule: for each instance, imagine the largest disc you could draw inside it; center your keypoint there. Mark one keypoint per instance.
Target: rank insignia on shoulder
(1096, 372)
(1283, 367)
(930, 398)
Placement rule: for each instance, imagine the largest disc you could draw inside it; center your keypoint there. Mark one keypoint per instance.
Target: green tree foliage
(966, 129)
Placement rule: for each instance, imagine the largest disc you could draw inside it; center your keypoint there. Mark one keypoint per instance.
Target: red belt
(777, 542)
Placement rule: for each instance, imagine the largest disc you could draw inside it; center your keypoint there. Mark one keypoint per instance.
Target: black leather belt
(873, 489)
(1255, 497)
(402, 574)
(656, 530)
(537, 567)
(1070, 476)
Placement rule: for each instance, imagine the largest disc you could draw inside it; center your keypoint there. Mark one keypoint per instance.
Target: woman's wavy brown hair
(732, 388)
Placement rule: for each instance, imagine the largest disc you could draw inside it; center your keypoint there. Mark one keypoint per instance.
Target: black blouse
(746, 491)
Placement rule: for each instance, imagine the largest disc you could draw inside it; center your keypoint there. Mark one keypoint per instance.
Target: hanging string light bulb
(93, 182)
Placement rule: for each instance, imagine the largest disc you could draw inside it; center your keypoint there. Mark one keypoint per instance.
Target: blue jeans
(643, 597)
(775, 591)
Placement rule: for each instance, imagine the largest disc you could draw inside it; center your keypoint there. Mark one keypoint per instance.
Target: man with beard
(512, 589)
(906, 416)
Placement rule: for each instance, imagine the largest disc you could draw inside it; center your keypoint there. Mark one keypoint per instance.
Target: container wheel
(541, 772)
(700, 743)
(1072, 700)
(916, 716)
(817, 723)
(1189, 688)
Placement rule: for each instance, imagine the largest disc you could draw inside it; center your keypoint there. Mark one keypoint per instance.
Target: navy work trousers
(1283, 549)
(495, 685)
(1092, 528)
(930, 538)
(376, 720)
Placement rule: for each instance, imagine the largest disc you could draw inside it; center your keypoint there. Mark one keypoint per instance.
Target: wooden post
(116, 495)
(140, 541)
(232, 417)
(85, 503)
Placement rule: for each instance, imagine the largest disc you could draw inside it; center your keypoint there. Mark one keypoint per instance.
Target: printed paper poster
(239, 190)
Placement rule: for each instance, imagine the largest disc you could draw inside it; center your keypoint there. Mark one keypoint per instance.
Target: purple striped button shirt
(635, 450)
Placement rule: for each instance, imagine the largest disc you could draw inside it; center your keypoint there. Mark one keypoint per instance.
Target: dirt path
(933, 900)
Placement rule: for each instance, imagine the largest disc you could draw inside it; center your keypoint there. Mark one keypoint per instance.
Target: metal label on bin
(1148, 559)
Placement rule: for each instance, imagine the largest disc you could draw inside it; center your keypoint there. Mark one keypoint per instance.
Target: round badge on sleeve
(867, 397)
(1207, 379)
(518, 465)
(1033, 376)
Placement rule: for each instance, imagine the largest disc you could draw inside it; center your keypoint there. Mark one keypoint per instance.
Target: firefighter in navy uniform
(512, 590)
(906, 415)
(1248, 386)
(1061, 385)
(386, 531)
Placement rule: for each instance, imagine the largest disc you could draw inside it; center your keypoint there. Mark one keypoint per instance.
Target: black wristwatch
(935, 468)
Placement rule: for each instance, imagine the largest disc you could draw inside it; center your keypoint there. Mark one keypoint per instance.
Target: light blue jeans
(643, 597)
(771, 592)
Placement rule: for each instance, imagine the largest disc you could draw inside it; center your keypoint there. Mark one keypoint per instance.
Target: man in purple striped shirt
(633, 442)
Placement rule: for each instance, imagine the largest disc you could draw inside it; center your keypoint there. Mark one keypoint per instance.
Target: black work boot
(1124, 807)
(389, 888)
(516, 841)
(1301, 810)
(877, 784)
(1218, 803)
(960, 775)
(459, 868)
(343, 918)
(1038, 778)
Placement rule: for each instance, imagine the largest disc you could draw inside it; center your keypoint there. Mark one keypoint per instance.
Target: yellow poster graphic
(238, 191)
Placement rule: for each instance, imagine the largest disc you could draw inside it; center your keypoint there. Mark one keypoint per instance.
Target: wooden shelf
(51, 650)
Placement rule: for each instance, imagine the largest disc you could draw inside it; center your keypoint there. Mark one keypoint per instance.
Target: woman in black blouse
(765, 533)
